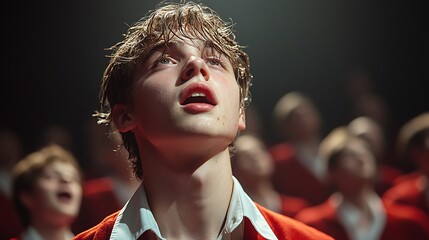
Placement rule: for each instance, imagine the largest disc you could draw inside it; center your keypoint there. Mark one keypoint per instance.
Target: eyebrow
(174, 44)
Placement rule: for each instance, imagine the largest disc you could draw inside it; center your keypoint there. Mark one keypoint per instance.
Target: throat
(195, 211)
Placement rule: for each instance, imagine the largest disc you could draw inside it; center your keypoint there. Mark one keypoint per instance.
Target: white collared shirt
(32, 234)
(349, 216)
(311, 161)
(131, 224)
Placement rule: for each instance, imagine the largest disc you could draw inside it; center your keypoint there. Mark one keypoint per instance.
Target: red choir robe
(386, 177)
(409, 192)
(401, 222)
(10, 224)
(290, 206)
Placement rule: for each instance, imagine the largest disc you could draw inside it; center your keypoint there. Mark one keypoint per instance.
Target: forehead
(356, 146)
(60, 166)
(181, 42)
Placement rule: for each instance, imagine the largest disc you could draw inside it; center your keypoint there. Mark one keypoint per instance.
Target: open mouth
(197, 93)
(197, 98)
(64, 196)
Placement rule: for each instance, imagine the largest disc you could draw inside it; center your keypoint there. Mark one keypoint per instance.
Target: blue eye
(214, 61)
(164, 60)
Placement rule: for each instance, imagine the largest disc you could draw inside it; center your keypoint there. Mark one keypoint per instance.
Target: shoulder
(100, 231)
(404, 189)
(292, 205)
(315, 214)
(406, 177)
(407, 219)
(282, 152)
(288, 228)
(404, 213)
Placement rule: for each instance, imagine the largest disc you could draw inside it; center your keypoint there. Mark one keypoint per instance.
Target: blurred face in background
(56, 195)
(251, 159)
(355, 168)
(304, 123)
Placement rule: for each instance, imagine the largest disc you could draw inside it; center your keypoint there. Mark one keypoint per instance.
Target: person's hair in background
(47, 192)
(413, 142)
(297, 118)
(193, 21)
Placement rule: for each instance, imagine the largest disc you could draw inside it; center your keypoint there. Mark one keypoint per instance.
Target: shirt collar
(349, 216)
(131, 224)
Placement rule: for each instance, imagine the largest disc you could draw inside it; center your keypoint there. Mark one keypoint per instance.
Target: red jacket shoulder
(288, 228)
(100, 231)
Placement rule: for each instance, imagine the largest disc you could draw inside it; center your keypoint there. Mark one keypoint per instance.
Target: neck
(189, 203)
(357, 198)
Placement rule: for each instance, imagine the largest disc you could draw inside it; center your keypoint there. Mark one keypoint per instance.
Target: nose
(193, 67)
(66, 179)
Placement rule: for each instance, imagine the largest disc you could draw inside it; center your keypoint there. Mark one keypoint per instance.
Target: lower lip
(65, 200)
(195, 108)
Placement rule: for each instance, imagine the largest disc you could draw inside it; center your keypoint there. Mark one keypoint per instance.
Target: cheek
(45, 188)
(152, 97)
(41, 199)
(77, 190)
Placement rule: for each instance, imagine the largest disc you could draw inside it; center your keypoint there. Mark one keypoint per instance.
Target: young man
(176, 89)
(47, 193)
(372, 133)
(296, 158)
(413, 146)
(355, 211)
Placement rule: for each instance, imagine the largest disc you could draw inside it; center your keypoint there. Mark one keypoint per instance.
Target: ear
(122, 118)
(242, 120)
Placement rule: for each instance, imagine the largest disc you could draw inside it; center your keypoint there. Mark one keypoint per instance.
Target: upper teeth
(198, 95)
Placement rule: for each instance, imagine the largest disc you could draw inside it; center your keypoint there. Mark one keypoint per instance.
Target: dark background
(53, 56)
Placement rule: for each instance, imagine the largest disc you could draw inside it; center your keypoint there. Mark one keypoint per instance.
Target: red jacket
(290, 206)
(410, 193)
(10, 224)
(401, 223)
(386, 177)
(294, 179)
(283, 227)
